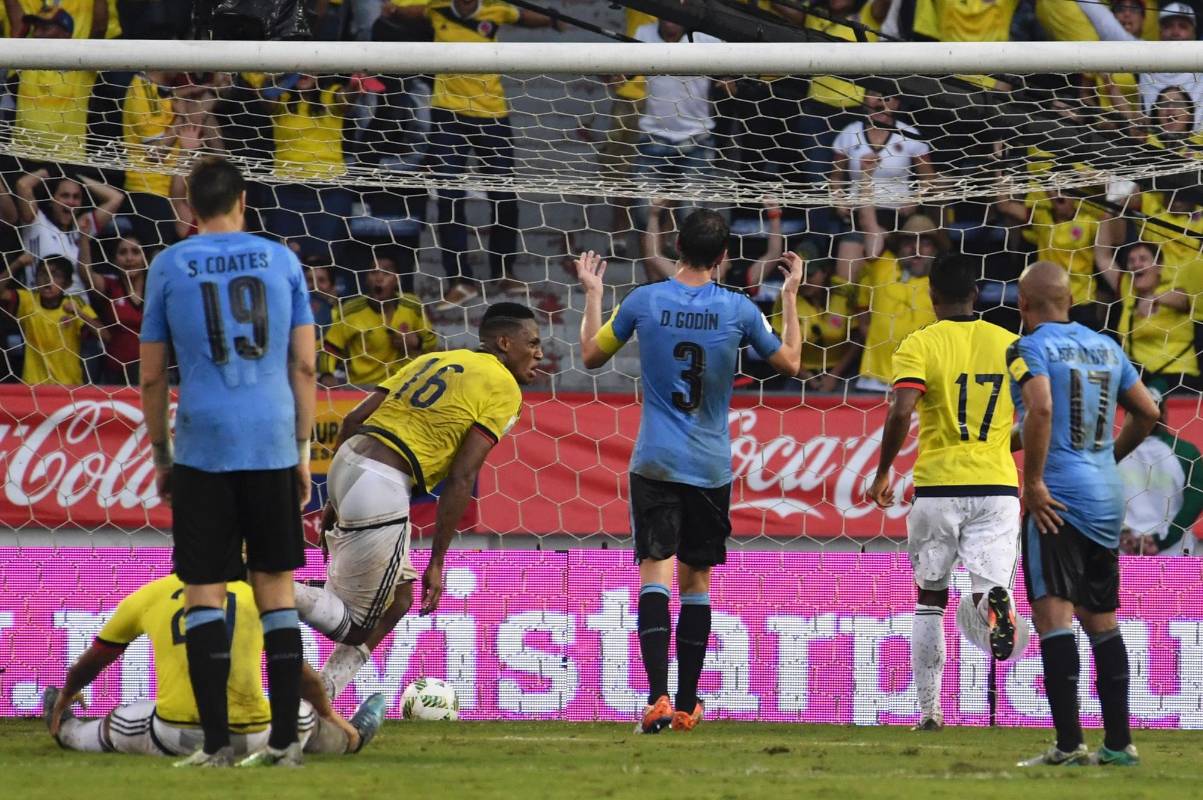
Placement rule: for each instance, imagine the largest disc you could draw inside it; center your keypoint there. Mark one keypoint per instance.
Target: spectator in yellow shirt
(375, 335)
(308, 117)
(52, 324)
(469, 115)
(52, 105)
(91, 19)
(1159, 337)
(824, 314)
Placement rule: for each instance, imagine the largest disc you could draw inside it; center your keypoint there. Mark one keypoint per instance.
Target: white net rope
(416, 199)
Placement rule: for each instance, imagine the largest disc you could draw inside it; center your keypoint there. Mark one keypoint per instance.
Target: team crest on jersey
(486, 29)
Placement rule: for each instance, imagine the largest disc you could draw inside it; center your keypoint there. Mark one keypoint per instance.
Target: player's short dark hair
(501, 319)
(214, 186)
(954, 277)
(703, 239)
(58, 266)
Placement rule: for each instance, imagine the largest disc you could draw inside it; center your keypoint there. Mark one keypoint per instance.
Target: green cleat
(222, 758)
(1128, 757)
(271, 757)
(368, 718)
(1078, 757)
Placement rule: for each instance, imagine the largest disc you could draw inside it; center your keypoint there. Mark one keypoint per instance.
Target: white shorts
(136, 729)
(980, 532)
(369, 548)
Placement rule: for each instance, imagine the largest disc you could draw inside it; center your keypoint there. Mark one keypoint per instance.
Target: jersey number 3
(248, 305)
(995, 380)
(692, 375)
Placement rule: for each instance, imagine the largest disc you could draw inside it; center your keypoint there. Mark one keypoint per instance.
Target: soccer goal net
(418, 183)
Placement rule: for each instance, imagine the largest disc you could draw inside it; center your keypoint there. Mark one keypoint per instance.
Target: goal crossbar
(820, 58)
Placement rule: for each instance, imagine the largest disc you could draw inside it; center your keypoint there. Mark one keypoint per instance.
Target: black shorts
(675, 519)
(215, 512)
(1070, 565)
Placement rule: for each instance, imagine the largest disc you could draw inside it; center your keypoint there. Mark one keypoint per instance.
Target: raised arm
(658, 267)
(773, 249)
(100, 19)
(589, 270)
(302, 375)
(1104, 22)
(26, 201)
(788, 358)
(453, 501)
(109, 201)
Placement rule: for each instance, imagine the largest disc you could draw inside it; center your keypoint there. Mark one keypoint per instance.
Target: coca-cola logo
(72, 456)
(793, 476)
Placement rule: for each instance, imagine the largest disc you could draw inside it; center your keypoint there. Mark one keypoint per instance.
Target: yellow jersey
(1070, 244)
(898, 304)
(470, 95)
(309, 139)
(966, 411)
(53, 339)
(52, 111)
(81, 13)
(146, 116)
(824, 329)
(436, 401)
(1163, 342)
(157, 611)
(634, 88)
(828, 89)
(360, 334)
(1180, 249)
(965, 20)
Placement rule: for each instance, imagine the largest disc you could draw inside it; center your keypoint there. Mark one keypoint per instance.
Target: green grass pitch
(530, 760)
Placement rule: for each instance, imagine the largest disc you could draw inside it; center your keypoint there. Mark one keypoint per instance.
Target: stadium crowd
(77, 239)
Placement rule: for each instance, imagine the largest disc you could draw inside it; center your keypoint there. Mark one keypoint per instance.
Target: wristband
(773, 213)
(163, 454)
(303, 452)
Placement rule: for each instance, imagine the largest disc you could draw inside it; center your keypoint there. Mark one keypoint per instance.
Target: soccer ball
(429, 698)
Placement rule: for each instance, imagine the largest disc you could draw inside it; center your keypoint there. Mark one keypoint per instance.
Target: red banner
(78, 457)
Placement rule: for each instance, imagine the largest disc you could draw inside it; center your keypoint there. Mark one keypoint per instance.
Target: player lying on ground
(690, 334)
(1071, 379)
(170, 724)
(966, 505)
(234, 310)
(436, 419)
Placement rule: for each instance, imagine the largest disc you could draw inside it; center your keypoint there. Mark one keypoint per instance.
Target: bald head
(1044, 293)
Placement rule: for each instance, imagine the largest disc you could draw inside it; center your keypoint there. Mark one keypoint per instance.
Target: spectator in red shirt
(118, 303)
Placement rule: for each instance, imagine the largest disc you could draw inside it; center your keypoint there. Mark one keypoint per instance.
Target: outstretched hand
(792, 268)
(589, 271)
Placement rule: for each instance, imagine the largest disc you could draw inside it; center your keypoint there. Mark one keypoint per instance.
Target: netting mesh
(414, 200)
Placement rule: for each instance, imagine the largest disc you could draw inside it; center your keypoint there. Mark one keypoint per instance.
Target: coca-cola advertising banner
(79, 457)
(797, 637)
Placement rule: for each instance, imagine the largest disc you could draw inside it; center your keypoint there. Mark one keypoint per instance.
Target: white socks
(342, 666)
(321, 610)
(81, 735)
(927, 659)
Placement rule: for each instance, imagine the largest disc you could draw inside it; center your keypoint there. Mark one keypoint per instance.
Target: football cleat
(929, 724)
(1078, 757)
(656, 717)
(222, 758)
(368, 718)
(271, 757)
(1001, 617)
(684, 721)
(1128, 757)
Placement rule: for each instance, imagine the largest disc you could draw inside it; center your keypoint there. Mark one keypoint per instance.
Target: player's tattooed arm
(1141, 415)
(898, 425)
(453, 501)
(1037, 433)
(153, 380)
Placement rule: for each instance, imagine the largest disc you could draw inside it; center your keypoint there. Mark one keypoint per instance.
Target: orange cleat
(683, 721)
(657, 716)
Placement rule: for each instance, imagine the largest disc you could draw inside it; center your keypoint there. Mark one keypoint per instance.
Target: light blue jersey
(1087, 373)
(689, 341)
(227, 304)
